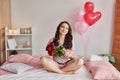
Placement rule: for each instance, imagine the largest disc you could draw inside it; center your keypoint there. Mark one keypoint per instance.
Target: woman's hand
(69, 53)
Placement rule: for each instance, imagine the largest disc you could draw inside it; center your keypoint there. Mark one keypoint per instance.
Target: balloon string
(85, 46)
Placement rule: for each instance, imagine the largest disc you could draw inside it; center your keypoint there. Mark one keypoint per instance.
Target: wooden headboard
(2, 45)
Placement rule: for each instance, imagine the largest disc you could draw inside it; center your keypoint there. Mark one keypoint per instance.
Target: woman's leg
(73, 65)
(50, 65)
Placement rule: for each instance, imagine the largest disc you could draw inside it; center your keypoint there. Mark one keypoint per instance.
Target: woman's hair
(68, 38)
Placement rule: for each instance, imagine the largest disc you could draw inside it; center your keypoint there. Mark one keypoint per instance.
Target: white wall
(44, 16)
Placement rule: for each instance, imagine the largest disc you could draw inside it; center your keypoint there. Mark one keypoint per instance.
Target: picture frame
(12, 43)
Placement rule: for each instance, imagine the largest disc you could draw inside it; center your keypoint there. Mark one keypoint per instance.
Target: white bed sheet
(41, 74)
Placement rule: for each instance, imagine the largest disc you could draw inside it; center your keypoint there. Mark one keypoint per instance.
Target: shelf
(18, 34)
(19, 49)
(18, 39)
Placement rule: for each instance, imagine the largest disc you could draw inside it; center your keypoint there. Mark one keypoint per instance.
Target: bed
(41, 74)
(33, 70)
(38, 72)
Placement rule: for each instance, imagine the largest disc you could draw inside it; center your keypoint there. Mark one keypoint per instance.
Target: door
(2, 45)
(5, 21)
(116, 36)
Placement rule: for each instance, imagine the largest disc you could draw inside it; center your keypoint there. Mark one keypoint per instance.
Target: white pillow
(16, 67)
(94, 57)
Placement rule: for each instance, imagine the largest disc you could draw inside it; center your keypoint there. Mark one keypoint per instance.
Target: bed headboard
(2, 45)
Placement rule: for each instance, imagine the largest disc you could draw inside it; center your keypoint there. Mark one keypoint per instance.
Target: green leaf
(112, 59)
(59, 51)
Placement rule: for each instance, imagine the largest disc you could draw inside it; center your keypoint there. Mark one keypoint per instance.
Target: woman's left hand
(67, 55)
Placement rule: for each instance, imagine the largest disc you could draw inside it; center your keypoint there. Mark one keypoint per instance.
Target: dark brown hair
(68, 38)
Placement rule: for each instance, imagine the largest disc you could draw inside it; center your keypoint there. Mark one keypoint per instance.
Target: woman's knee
(81, 62)
(43, 59)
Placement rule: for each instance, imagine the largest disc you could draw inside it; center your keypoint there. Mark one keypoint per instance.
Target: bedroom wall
(44, 16)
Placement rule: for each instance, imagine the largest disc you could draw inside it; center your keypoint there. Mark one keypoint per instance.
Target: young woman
(63, 64)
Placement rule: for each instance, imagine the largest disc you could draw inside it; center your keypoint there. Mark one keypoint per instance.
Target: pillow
(16, 67)
(23, 58)
(94, 57)
(102, 70)
(105, 73)
(35, 62)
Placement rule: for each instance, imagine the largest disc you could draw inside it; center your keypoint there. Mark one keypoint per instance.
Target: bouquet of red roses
(50, 48)
(55, 51)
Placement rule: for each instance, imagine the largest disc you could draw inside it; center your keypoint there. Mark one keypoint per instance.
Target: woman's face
(64, 29)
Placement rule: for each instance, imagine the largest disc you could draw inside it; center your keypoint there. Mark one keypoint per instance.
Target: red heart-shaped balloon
(89, 7)
(92, 17)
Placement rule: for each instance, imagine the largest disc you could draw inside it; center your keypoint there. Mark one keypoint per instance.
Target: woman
(63, 64)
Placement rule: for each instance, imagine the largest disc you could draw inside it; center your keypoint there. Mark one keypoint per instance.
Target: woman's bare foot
(71, 72)
(49, 71)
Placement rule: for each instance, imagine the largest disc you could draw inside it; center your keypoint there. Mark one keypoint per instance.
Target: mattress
(42, 74)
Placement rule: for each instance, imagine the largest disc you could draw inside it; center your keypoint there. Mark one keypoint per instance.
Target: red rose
(50, 48)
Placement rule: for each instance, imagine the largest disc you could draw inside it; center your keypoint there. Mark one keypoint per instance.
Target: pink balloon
(80, 15)
(81, 27)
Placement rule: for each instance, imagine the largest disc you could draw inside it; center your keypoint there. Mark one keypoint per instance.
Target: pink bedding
(2, 72)
(102, 70)
(99, 69)
(33, 61)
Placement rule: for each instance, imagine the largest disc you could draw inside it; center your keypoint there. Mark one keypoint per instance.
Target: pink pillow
(102, 70)
(35, 62)
(23, 58)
